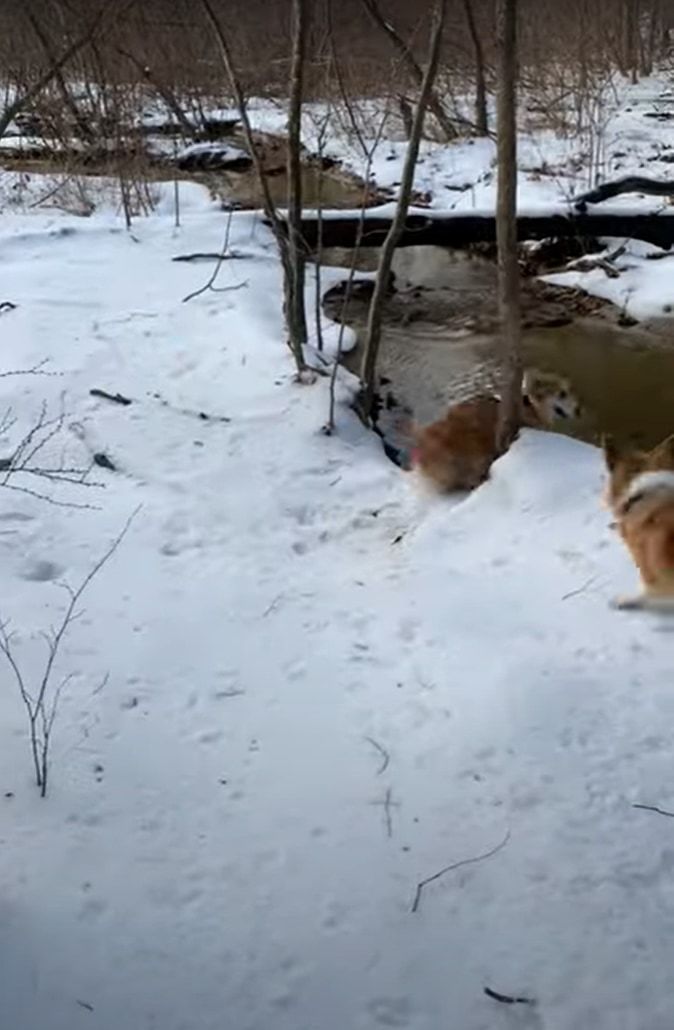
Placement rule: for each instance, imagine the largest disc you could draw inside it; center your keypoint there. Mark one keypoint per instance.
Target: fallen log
(630, 184)
(461, 229)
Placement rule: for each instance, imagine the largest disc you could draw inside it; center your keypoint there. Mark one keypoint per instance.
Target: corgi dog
(640, 493)
(457, 451)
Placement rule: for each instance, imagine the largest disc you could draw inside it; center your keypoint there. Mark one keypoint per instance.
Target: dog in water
(640, 493)
(457, 451)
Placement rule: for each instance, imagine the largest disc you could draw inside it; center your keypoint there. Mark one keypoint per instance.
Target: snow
(218, 153)
(11, 144)
(645, 288)
(323, 688)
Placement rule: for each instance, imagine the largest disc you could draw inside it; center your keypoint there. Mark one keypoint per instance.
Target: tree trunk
(407, 115)
(481, 116)
(297, 322)
(373, 333)
(652, 39)
(632, 38)
(278, 227)
(433, 102)
(506, 226)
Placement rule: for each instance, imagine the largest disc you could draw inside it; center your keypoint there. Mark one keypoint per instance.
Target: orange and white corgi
(640, 493)
(457, 451)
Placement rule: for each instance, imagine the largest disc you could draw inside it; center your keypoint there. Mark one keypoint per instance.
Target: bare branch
(654, 808)
(433, 102)
(214, 274)
(54, 69)
(42, 706)
(507, 999)
(451, 868)
(386, 758)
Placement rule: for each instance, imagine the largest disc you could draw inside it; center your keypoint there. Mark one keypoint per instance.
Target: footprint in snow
(40, 571)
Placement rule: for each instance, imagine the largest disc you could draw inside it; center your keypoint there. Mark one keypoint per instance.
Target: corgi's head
(626, 461)
(550, 395)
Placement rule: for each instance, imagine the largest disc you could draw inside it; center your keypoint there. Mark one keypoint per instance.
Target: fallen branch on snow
(654, 808)
(117, 398)
(209, 256)
(603, 261)
(507, 999)
(452, 867)
(386, 758)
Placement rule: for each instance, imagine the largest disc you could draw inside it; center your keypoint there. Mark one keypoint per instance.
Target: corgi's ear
(625, 455)
(532, 381)
(661, 458)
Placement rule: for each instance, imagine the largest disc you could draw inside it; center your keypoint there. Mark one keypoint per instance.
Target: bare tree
(433, 102)
(278, 227)
(506, 225)
(631, 29)
(295, 301)
(368, 148)
(374, 322)
(481, 115)
(26, 96)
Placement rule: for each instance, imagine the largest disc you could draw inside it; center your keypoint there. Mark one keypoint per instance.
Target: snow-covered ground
(321, 688)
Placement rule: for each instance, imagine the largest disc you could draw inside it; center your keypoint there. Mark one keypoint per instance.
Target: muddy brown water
(449, 348)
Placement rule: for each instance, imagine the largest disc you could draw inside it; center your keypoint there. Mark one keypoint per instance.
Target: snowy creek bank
(223, 165)
(441, 343)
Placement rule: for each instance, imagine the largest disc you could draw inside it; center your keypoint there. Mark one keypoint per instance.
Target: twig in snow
(214, 289)
(61, 184)
(654, 808)
(580, 590)
(203, 416)
(273, 606)
(101, 686)
(386, 758)
(210, 256)
(50, 500)
(507, 999)
(216, 271)
(42, 704)
(387, 804)
(603, 261)
(26, 459)
(452, 867)
(34, 370)
(116, 398)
